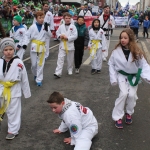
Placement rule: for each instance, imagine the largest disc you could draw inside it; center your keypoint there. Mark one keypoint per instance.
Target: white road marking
(49, 49)
(147, 53)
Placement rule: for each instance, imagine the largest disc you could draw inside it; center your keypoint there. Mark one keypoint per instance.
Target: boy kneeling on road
(79, 120)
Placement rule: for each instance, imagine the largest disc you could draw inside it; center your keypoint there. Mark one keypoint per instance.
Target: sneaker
(77, 71)
(10, 136)
(128, 119)
(93, 71)
(39, 83)
(119, 124)
(104, 59)
(69, 72)
(57, 75)
(98, 71)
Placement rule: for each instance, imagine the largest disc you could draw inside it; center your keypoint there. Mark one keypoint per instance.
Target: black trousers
(78, 56)
(136, 31)
(145, 30)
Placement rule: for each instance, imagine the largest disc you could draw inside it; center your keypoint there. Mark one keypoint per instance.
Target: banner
(121, 21)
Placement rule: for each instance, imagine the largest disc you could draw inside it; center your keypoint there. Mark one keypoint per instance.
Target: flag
(116, 5)
(127, 6)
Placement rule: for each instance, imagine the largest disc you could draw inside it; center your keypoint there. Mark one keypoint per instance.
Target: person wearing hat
(13, 80)
(18, 34)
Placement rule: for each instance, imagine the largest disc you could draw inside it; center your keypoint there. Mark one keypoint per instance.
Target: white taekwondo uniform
(50, 20)
(19, 39)
(97, 43)
(107, 27)
(14, 72)
(127, 94)
(81, 123)
(71, 32)
(37, 51)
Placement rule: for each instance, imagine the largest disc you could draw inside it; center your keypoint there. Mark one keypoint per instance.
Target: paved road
(93, 91)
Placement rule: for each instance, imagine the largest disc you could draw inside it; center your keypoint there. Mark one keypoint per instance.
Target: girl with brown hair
(127, 64)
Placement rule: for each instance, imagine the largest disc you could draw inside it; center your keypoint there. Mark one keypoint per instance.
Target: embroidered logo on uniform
(101, 32)
(20, 65)
(71, 28)
(20, 32)
(74, 128)
(84, 110)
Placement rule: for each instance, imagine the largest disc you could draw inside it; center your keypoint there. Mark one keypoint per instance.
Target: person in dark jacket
(2, 31)
(81, 42)
(146, 25)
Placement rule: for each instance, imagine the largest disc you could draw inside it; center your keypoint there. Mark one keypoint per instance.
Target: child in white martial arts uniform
(37, 34)
(67, 33)
(79, 120)
(13, 79)
(126, 65)
(18, 34)
(97, 45)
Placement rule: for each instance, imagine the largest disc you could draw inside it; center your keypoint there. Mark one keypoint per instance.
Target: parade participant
(135, 26)
(84, 11)
(50, 21)
(13, 79)
(107, 22)
(126, 65)
(67, 33)
(81, 43)
(37, 34)
(18, 34)
(79, 120)
(97, 45)
(146, 25)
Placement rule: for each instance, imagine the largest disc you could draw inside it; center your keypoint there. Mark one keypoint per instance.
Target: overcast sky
(131, 2)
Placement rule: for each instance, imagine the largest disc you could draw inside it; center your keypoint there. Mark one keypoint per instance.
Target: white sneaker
(69, 72)
(77, 71)
(104, 59)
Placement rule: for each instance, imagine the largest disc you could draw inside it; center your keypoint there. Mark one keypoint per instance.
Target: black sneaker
(98, 71)
(128, 119)
(119, 124)
(57, 75)
(93, 71)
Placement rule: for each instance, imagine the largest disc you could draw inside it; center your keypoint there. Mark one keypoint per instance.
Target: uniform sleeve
(104, 43)
(113, 22)
(25, 83)
(58, 32)
(28, 36)
(63, 127)
(145, 70)
(86, 39)
(75, 129)
(73, 35)
(22, 40)
(112, 71)
(50, 20)
(11, 33)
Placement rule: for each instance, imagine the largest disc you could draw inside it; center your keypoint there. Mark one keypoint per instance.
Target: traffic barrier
(7, 23)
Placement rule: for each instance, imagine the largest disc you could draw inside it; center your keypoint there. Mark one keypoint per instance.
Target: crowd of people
(127, 64)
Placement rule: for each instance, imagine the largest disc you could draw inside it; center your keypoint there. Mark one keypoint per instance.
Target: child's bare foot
(67, 140)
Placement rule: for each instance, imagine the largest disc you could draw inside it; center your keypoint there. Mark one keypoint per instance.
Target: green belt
(130, 76)
(16, 41)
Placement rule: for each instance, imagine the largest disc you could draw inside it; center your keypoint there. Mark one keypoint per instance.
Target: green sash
(130, 76)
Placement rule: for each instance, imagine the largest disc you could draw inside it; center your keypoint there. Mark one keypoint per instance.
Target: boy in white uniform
(13, 79)
(38, 33)
(18, 34)
(67, 33)
(79, 120)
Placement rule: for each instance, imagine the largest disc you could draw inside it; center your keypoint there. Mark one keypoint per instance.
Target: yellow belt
(94, 47)
(40, 43)
(7, 96)
(65, 45)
